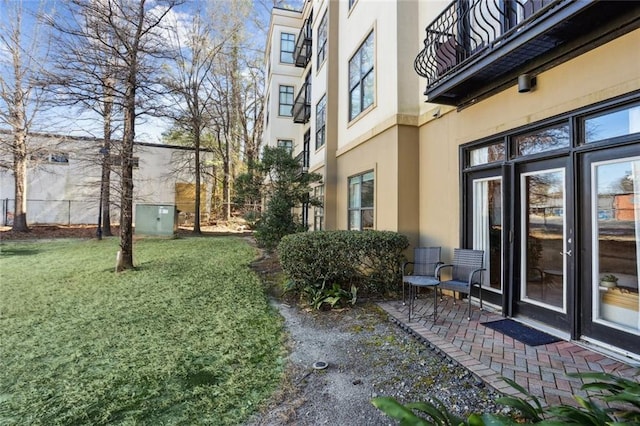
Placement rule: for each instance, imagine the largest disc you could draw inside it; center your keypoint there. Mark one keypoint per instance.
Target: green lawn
(187, 338)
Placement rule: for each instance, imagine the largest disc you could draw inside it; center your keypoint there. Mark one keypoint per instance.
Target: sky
(78, 123)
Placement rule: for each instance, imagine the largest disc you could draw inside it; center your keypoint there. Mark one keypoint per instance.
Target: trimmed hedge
(371, 260)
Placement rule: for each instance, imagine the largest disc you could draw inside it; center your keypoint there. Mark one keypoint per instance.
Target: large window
(322, 40)
(361, 79)
(286, 101)
(321, 121)
(287, 46)
(361, 202)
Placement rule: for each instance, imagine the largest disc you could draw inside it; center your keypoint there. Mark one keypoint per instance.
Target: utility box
(156, 219)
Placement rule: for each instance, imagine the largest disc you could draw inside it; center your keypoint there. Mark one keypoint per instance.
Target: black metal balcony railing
(302, 52)
(467, 28)
(302, 105)
(474, 46)
(303, 159)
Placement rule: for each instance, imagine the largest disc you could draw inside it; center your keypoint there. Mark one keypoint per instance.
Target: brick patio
(489, 354)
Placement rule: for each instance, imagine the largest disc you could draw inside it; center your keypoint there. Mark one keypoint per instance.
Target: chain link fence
(54, 212)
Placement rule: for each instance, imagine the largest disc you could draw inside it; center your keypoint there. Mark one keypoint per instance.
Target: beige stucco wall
(392, 155)
(608, 71)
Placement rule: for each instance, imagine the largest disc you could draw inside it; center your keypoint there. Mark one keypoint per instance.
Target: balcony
(476, 48)
(302, 52)
(302, 105)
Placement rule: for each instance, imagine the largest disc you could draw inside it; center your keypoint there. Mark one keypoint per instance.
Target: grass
(186, 338)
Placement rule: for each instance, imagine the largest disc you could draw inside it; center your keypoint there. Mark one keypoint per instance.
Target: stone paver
(489, 355)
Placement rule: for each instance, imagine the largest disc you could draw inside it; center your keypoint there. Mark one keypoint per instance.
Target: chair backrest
(466, 261)
(425, 260)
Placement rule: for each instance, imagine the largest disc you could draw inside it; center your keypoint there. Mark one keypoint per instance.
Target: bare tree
(21, 95)
(129, 31)
(84, 76)
(197, 45)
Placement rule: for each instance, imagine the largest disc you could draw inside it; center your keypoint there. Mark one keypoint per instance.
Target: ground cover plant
(187, 338)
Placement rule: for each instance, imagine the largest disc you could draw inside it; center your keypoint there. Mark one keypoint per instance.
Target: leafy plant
(336, 295)
(606, 386)
(436, 414)
(610, 277)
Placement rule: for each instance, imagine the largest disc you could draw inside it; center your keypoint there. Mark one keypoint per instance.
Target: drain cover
(320, 365)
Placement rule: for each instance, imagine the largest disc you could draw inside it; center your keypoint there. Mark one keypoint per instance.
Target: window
(361, 79)
(321, 121)
(612, 124)
(543, 140)
(361, 202)
(318, 211)
(51, 157)
(286, 144)
(486, 154)
(286, 101)
(322, 40)
(287, 46)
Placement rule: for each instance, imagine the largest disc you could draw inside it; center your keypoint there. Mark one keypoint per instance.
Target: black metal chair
(423, 274)
(466, 272)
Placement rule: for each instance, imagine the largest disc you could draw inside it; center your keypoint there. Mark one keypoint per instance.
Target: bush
(370, 260)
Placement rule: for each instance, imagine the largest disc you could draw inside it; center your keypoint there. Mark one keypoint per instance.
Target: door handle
(568, 253)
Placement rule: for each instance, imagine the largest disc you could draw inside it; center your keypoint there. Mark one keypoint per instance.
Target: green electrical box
(156, 219)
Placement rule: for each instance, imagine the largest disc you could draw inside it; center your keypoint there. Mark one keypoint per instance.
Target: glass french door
(543, 244)
(611, 236)
(485, 228)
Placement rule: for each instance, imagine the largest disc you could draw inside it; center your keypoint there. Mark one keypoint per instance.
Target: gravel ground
(367, 356)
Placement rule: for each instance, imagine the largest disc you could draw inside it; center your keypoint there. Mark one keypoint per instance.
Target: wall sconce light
(526, 82)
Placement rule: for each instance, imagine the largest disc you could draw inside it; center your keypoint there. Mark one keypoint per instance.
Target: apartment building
(507, 126)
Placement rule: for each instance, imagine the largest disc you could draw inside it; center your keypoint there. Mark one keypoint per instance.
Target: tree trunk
(126, 225)
(20, 175)
(105, 182)
(196, 142)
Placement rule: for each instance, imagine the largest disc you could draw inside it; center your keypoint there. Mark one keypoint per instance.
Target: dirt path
(367, 356)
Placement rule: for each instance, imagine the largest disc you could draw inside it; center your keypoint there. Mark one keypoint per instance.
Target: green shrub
(368, 259)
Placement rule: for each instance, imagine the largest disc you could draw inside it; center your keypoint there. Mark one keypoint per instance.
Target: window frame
(321, 52)
(290, 39)
(360, 209)
(363, 76)
(321, 122)
(281, 103)
(286, 144)
(318, 211)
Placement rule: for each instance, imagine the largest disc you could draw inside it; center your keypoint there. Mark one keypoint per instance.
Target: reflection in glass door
(542, 240)
(487, 228)
(615, 209)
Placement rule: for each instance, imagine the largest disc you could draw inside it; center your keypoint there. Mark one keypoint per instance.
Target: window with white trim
(361, 79)
(321, 121)
(322, 40)
(361, 199)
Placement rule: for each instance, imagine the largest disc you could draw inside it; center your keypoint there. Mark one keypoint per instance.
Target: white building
(64, 173)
